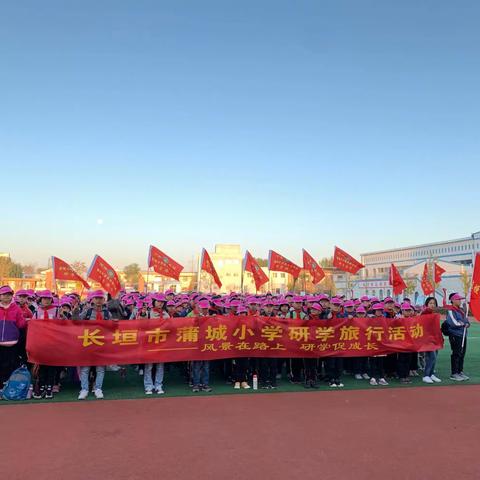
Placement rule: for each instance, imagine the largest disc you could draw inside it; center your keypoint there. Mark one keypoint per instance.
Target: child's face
(407, 313)
(456, 303)
(284, 308)
(378, 313)
(45, 302)
(6, 298)
(432, 304)
(335, 308)
(22, 300)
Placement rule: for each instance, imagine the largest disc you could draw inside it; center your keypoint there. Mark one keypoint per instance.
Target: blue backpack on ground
(17, 385)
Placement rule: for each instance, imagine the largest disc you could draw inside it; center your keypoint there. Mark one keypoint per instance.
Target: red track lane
(416, 433)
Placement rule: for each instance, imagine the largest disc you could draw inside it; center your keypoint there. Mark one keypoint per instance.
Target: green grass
(131, 386)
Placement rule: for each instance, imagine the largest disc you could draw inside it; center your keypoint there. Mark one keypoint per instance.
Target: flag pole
(146, 284)
(199, 272)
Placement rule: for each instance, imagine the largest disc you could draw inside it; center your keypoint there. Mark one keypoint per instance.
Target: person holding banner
(240, 365)
(430, 306)
(334, 365)
(268, 366)
(458, 324)
(98, 311)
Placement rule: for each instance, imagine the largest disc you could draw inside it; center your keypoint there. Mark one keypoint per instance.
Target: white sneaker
(245, 385)
(98, 393)
(456, 377)
(83, 394)
(373, 381)
(148, 392)
(435, 379)
(382, 381)
(464, 377)
(427, 379)
(366, 376)
(237, 386)
(358, 377)
(113, 368)
(140, 372)
(160, 391)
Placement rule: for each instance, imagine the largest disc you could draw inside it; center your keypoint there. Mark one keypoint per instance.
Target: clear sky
(273, 124)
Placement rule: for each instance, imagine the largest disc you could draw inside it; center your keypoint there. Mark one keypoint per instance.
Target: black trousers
(310, 369)
(296, 366)
(240, 369)
(403, 364)
(9, 361)
(377, 367)
(46, 375)
(391, 364)
(334, 367)
(268, 371)
(458, 353)
(360, 365)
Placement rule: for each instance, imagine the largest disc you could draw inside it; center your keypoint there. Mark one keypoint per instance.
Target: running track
(412, 433)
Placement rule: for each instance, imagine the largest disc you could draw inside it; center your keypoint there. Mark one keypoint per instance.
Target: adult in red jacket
(11, 321)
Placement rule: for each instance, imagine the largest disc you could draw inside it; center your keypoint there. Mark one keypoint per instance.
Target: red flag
(475, 292)
(315, 270)
(207, 265)
(343, 261)
(396, 281)
(252, 266)
(439, 271)
(163, 264)
(63, 271)
(100, 271)
(427, 286)
(279, 263)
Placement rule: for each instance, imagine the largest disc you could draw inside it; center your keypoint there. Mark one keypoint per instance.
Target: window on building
(282, 275)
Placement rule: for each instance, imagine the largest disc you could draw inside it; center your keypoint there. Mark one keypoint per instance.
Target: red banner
(438, 272)
(163, 264)
(475, 292)
(100, 271)
(278, 263)
(63, 271)
(427, 286)
(252, 266)
(396, 280)
(107, 342)
(311, 266)
(345, 262)
(207, 265)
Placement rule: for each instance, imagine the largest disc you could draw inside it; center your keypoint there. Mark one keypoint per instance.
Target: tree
(411, 286)
(326, 262)
(131, 273)
(466, 281)
(29, 269)
(8, 268)
(262, 262)
(79, 267)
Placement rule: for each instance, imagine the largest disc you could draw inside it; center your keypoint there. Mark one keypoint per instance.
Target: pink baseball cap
(361, 309)
(97, 294)
(169, 292)
(388, 300)
(159, 297)
(65, 302)
(365, 298)
(323, 297)
(203, 304)
(457, 296)
(297, 299)
(406, 306)
(377, 306)
(349, 303)
(336, 301)
(22, 293)
(6, 290)
(45, 294)
(242, 309)
(171, 303)
(317, 307)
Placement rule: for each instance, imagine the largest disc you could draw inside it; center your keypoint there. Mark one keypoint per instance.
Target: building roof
(423, 245)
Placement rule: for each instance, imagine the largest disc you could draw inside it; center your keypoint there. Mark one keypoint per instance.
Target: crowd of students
(18, 308)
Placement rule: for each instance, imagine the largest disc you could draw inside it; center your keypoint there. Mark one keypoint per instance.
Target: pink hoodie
(11, 319)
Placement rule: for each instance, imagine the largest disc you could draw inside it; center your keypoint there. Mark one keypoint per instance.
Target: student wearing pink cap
(360, 364)
(296, 364)
(430, 306)
(334, 365)
(377, 367)
(11, 321)
(201, 368)
(310, 364)
(268, 366)
(45, 378)
(240, 365)
(458, 325)
(98, 311)
(404, 358)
